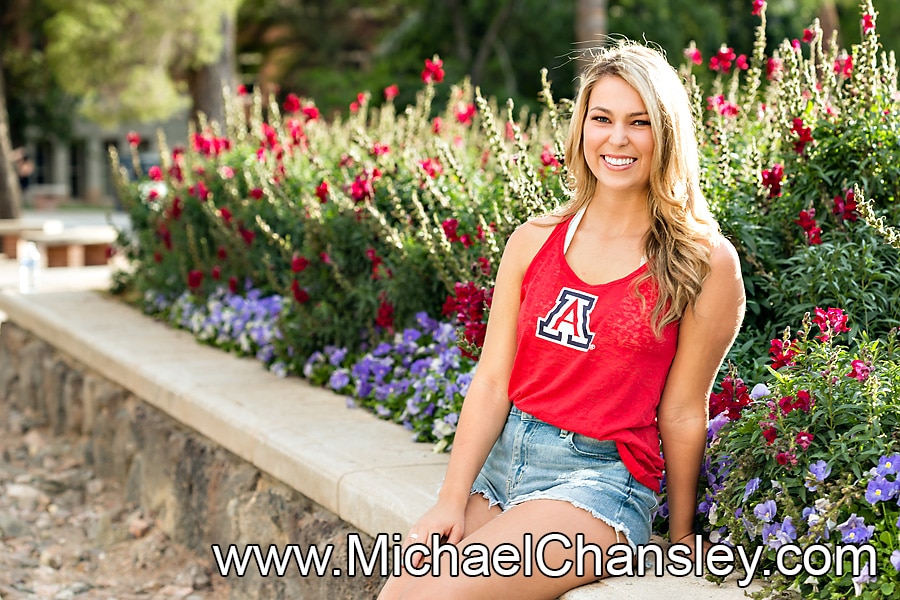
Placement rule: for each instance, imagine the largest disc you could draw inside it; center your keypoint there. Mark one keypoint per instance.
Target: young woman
(609, 321)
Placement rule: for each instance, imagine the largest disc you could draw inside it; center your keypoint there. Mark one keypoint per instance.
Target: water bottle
(29, 264)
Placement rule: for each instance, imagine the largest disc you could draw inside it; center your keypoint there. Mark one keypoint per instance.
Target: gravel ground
(65, 534)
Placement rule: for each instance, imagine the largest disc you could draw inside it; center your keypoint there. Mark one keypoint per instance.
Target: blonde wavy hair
(677, 245)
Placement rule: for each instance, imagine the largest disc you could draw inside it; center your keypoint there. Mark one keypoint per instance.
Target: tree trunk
(206, 83)
(10, 191)
(590, 27)
(829, 22)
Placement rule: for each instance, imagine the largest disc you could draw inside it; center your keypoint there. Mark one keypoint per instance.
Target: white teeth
(619, 162)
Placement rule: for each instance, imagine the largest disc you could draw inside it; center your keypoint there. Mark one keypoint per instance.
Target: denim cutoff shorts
(534, 460)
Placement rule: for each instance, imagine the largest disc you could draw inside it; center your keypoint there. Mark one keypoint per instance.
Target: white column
(61, 169)
(94, 170)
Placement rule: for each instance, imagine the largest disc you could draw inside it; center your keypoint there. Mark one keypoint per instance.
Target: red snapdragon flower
(432, 167)
(256, 193)
(221, 253)
(216, 272)
(845, 206)
(377, 265)
(450, 226)
(803, 133)
(378, 149)
(391, 92)
(758, 6)
(772, 178)
(133, 138)
(233, 284)
(465, 113)
(194, 279)
(859, 370)
(694, 55)
(363, 186)
(721, 62)
(484, 265)
(808, 35)
(807, 222)
(292, 104)
(385, 316)
(733, 398)
(830, 322)
(200, 191)
(434, 70)
(225, 214)
(247, 235)
(322, 192)
(299, 263)
(722, 106)
(868, 23)
(176, 208)
(300, 294)
(769, 434)
(742, 63)
(468, 303)
(843, 65)
(782, 354)
(804, 439)
(209, 145)
(786, 458)
(774, 67)
(311, 112)
(241, 89)
(549, 159)
(155, 173)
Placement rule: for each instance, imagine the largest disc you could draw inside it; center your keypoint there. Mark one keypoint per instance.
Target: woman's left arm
(705, 334)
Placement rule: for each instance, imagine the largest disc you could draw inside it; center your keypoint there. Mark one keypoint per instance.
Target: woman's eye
(642, 123)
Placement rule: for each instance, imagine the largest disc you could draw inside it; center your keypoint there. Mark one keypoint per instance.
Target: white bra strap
(573, 225)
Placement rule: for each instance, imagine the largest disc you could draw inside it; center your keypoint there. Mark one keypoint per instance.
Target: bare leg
(477, 515)
(538, 518)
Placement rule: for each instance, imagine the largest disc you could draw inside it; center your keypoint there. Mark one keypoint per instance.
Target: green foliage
(798, 164)
(331, 51)
(832, 410)
(828, 126)
(364, 221)
(125, 60)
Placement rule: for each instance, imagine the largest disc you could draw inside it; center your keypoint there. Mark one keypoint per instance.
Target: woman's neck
(617, 215)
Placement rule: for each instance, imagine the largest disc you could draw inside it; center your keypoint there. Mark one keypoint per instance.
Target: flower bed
(360, 252)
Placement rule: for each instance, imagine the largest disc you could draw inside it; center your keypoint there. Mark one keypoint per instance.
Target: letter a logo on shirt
(569, 322)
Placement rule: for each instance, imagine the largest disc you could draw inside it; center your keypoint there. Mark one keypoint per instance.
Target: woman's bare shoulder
(527, 239)
(722, 255)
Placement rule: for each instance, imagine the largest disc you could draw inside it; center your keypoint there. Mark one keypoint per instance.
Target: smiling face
(617, 138)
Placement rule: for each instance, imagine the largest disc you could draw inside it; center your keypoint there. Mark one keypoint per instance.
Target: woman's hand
(446, 519)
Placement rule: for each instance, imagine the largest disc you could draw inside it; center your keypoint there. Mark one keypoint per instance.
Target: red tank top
(587, 359)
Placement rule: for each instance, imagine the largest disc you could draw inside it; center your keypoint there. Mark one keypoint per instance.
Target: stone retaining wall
(198, 492)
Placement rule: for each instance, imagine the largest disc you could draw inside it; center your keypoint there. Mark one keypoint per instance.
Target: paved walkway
(70, 278)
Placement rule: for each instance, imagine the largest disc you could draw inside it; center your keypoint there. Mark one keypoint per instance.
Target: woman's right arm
(486, 405)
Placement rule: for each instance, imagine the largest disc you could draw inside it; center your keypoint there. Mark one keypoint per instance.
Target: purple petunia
(880, 489)
(855, 531)
(818, 471)
(750, 488)
(776, 535)
(867, 575)
(765, 511)
(759, 391)
(888, 465)
(339, 380)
